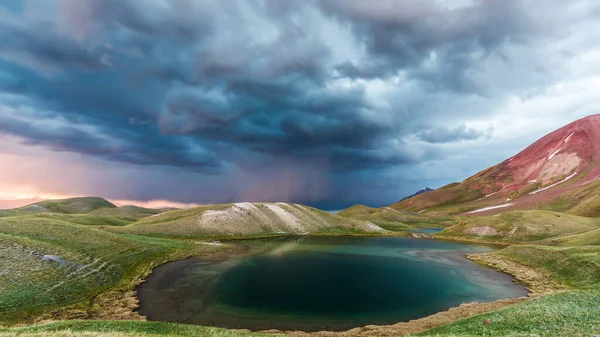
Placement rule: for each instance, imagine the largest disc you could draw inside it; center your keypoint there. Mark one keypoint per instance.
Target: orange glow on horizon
(146, 204)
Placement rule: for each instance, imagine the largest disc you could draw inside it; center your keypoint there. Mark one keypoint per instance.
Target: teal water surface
(433, 230)
(323, 283)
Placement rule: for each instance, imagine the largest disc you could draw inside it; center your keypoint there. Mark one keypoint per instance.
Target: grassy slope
(392, 219)
(568, 313)
(520, 226)
(591, 238)
(573, 313)
(459, 198)
(124, 328)
(571, 259)
(91, 261)
(575, 267)
(564, 246)
(87, 260)
(127, 213)
(72, 205)
(584, 201)
(445, 200)
(88, 219)
(245, 220)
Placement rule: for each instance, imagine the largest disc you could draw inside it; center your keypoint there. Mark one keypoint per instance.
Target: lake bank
(413, 256)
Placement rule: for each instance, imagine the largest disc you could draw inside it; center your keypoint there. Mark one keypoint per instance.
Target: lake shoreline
(453, 314)
(538, 284)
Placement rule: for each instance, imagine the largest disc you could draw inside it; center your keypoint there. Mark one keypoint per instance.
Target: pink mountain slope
(561, 169)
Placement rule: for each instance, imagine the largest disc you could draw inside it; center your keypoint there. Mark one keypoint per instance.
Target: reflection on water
(429, 230)
(316, 283)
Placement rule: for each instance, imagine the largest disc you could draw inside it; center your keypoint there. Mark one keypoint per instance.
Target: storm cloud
(348, 101)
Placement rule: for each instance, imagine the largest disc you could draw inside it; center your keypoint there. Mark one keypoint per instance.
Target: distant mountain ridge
(421, 191)
(560, 172)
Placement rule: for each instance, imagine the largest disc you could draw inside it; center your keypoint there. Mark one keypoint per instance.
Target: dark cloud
(447, 135)
(435, 44)
(338, 87)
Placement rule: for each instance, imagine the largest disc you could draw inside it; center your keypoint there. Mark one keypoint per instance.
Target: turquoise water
(429, 230)
(323, 283)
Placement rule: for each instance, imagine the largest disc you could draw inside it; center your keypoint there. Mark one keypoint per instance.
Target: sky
(322, 102)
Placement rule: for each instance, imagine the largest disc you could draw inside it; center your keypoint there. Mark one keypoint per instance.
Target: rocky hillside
(558, 172)
(248, 219)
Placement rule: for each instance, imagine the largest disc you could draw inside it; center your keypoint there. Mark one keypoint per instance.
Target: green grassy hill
(519, 227)
(67, 260)
(50, 263)
(248, 219)
(391, 219)
(67, 206)
(81, 219)
(591, 238)
(572, 313)
(128, 213)
(454, 198)
(81, 266)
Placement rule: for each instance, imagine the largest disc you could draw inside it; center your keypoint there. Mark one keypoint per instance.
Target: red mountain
(559, 172)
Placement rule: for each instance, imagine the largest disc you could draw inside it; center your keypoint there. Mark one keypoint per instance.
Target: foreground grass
(123, 328)
(57, 268)
(576, 267)
(572, 313)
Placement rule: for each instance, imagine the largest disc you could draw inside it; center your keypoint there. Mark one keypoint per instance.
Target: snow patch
(571, 135)
(490, 208)
(489, 195)
(554, 154)
(533, 181)
(209, 243)
(558, 183)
